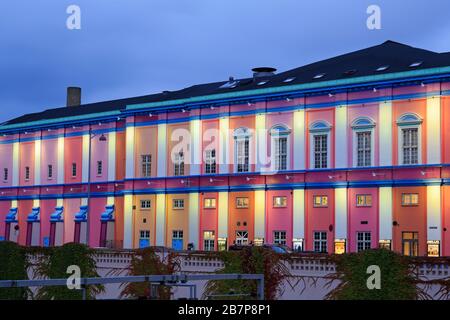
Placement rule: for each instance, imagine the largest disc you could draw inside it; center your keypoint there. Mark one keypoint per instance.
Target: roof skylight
(416, 64)
(262, 82)
(230, 85)
(382, 68)
(289, 79)
(318, 76)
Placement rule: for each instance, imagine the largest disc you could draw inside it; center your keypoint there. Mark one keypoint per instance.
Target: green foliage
(53, 265)
(397, 282)
(146, 261)
(254, 260)
(13, 266)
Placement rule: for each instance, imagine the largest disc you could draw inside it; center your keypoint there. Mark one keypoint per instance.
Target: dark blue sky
(135, 47)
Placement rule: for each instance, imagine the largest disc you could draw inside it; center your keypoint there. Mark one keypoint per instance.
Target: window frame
(278, 132)
(210, 162)
(211, 201)
(279, 206)
(145, 201)
(322, 242)
(279, 240)
(99, 168)
(176, 207)
(366, 244)
(27, 173)
(410, 194)
(409, 121)
(74, 170)
(209, 242)
(321, 205)
(242, 206)
(178, 164)
(49, 172)
(5, 174)
(146, 166)
(361, 125)
(364, 205)
(319, 128)
(242, 135)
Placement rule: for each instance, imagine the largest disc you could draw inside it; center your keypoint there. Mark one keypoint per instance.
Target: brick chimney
(73, 96)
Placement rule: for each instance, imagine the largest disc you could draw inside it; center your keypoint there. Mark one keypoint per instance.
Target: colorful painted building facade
(338, 156)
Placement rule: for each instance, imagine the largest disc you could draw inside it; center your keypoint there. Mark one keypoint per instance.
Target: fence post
(260, 288)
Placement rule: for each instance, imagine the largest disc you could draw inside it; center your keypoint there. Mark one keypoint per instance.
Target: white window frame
(146, 165)
(210, 161)
(144, 234)
(277, 237)
(212, 202)
(277, 132)
(276, 198)
(146, 204)
(359, 125)
(178, 163)
(209, 239)
(177, 234)
(322, 242)
(319, 128)
(240, 136)
(178, 204)
(409, 121)
(241, 237)
(366, 244)
(242, 206)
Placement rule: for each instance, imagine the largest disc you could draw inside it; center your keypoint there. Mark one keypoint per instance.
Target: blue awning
(81, 216)
(12, 215)
(108, 215)
(34, 215)
(57, 215)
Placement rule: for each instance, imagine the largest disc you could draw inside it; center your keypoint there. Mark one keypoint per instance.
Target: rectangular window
(280, 145)
(241, 202)
(146, 165)
(208, 240)
(144, 234)
(74, 169)
(27, 173)
(279, 237)
(410, 199)
(320, 201)
(178, 203)
(320, 241)
(177, 234)
(363, 200)
(5, 174)
(146, 204)
(209, 203)
(210, 161)
(241, 237)
(363, 241)
(49, 171)
(364, 150)
(320, 151)
(279, 202)
(178, 169)
(410, 146)
(242, 154)
(410, 244)
(99, 168)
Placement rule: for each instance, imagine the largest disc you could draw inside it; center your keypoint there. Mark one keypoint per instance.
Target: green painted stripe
(306, 86)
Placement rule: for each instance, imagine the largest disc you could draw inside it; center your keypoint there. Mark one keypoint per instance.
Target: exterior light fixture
(102, 138)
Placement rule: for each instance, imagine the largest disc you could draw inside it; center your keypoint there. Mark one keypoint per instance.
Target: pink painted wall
(4, 210)
(177, 137)
(319, 219)
(236, 123)
(47, 208)
(73, 154)
(210, 140)
(278, 219)
(281, 119)
(97, 207)
(357, 215)
(6, 161)
(26, 155)
(312, 116)
(25, 207)
(99, 152)
(49, 156)
(208, 217)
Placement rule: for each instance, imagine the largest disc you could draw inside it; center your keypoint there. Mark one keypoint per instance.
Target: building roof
(388, 57)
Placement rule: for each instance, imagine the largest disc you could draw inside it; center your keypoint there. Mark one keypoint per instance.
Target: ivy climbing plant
(13, 266)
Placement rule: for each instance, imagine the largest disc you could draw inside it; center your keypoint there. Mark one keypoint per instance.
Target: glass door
(410, 241)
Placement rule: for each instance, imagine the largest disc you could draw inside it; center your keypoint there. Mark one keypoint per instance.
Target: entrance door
(177, 239)
(144, 239)
(410, 243)
(241, 237)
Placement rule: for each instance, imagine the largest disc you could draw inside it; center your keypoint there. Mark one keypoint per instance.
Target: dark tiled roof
(355, 64)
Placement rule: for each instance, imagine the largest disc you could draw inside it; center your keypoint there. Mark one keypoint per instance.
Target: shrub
(13, 266)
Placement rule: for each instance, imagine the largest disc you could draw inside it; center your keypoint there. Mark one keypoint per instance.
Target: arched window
(242, 150)
(363, 142)
(319, 144)
(409, 139)
(280, 147)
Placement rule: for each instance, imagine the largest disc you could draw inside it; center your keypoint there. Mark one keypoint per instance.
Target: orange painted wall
(25, 207)
(120, 155)
(242, 122)
(410, 218)
(445, 127)
(26, 160)
(177, 219)
(445, 246)
(118, 217)
(177, 136)
(144, 219)
(146, 142)
(72, 154)
(236, 215)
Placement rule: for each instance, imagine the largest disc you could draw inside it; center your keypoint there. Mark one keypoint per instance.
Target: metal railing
(161, 279)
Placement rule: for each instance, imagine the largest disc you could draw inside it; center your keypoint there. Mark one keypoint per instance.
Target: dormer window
(320, 145)
(363, 142)
(409, 139)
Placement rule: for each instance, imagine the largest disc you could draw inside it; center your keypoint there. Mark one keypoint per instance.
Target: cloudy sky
(129, 48)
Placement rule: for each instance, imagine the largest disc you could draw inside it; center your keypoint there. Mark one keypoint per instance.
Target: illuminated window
(320, 201)
(279, 237)
(320, 241)
(279, 202)
(208, 240)
(280, 151)
(410, 199)
(410, 244)
(241, 237)
(210, 161)
(146, 204)
(320, 144)
(178, 204)
(146, 165)
(409, 136)
(363, 200)
(209, 203)
(363, 241)
(179, 164)
(241, 202)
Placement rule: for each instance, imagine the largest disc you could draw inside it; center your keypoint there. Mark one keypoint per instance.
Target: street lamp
(102, 139)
